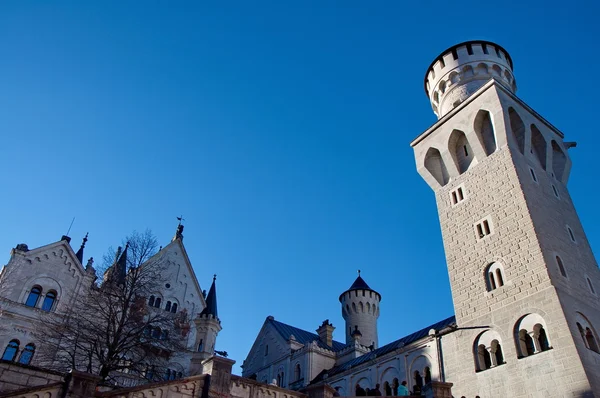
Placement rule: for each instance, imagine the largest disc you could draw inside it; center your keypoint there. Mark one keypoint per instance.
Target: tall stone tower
(524, 280)
(360, 309)
(208, 326)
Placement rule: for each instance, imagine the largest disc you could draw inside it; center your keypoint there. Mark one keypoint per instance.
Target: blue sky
(280, 130)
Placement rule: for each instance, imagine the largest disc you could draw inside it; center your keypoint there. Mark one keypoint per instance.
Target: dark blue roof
(387, 348)
(211, 301)
(359, 284)
(302, 336)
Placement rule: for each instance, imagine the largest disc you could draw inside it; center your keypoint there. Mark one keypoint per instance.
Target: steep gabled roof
(302, 336)
(411, 338)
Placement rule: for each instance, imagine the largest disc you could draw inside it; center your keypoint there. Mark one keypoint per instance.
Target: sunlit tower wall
(523, 277)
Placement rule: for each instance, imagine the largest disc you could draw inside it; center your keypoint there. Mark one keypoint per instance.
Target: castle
(51, 279)
(523, 277)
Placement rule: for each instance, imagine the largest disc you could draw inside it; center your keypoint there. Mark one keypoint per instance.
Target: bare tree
(112, 330)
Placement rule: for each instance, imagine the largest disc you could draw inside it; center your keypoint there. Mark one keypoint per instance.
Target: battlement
(462, 69)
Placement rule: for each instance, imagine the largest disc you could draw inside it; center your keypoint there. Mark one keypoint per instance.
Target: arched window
(587, 332)
(488, 351)
(518, 129)
(436, 167)
(561, 266)
(531, 336)
(591, 340)
(526, 343)
(541, 337)
(168, 306)
(49, 301)
(200, 346)
(34, 296)
(157, 302)
(151, 301)
(485, 359)
(538, 145)
(156, 332)
(494, 276)
(485, 131)
(11, 350)
(27, 354)
(461, 151)
(174, 308)
(297, 372)
(496, 351)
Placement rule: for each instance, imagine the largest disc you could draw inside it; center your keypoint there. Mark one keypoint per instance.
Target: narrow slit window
(486, 227)
(499, 278)
(492, 281)
(484, 48)
(571, 234)
(457, 195)
(591, 286)
(533, 175)
(466, 150)
(555, 191)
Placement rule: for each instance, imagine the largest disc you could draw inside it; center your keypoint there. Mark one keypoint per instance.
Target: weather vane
(180, 219)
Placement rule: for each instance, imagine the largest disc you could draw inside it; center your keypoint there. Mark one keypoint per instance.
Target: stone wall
(14, 376)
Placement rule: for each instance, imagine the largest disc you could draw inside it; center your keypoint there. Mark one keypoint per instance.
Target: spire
(118, 271)
(79, 253)
(359, 284)
(211, 300)
(121, 266)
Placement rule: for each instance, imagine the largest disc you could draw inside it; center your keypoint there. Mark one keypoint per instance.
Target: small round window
(167, 285)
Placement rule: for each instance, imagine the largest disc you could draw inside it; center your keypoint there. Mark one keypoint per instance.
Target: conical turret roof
(211, 301)
(359, 284)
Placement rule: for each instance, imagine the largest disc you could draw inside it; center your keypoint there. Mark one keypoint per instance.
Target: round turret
(462, 69)
(360, 309)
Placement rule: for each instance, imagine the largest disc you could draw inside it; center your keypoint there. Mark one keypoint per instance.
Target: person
(377, 391)
(369, 392)
(402, 390)
(360, 392)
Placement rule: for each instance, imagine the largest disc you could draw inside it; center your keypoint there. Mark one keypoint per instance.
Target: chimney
(325, 332)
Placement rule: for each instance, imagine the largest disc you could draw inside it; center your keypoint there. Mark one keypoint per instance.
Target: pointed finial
(214, 277)
(179, 233)
(85, 239)
(358, 272)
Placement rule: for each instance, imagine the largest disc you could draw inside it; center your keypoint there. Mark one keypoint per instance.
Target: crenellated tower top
(462, 69)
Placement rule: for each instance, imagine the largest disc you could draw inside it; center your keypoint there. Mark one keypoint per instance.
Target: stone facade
(510, 293)
(523, 276)
(59, 276)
